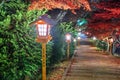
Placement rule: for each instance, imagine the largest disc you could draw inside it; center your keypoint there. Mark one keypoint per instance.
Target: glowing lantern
(43, 36)
(68, 40)
(111, 40)
(43, 31)
(68, 37)
(94, 38)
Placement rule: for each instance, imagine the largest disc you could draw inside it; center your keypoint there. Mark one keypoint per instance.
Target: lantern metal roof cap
(47, 19)
(41, 22)
(44, 18)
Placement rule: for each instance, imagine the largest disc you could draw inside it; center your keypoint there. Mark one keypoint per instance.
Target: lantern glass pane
(44, 29)
(40, 30)
(68, 37)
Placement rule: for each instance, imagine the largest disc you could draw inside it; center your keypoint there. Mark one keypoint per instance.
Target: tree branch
(61, 16)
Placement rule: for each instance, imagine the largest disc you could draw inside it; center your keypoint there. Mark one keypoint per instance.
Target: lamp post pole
(43, 61)
(111, 42)
(68, 40)
(43, 36)
(68, 50)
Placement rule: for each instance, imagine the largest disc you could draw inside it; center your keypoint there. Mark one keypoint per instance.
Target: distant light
(79, 29)
(68, 37)
(78, 38)
(79, 33)
(111, 40)
(87, 33)
(94, 38)
(74, 40)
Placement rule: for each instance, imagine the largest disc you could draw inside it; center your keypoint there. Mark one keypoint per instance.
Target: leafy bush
(60, 45)
(101, 45)
(20, 55)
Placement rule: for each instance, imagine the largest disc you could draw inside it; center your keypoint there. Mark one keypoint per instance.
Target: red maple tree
(62, 4)
(105, 19)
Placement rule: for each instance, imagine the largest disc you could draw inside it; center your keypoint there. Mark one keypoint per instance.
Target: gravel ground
(57, 72)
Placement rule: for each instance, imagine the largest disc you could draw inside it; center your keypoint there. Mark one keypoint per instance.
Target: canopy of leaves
(67, 27)
(58, 35)
(111, 8)
(62, 4)
(105, 18)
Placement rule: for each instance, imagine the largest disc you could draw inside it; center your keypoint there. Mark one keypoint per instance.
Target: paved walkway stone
(89, 64)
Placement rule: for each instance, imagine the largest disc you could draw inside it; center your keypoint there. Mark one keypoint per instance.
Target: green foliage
(101, 45)
(72, 48)
(59, 44)
(67, 27)
(59, 48)
(20, 55)
(49, 53)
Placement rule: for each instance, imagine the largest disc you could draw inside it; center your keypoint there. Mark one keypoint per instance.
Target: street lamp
(43, 31)
(78, 41)
(43, 36)
(75, 42)
(68, 40)
(110, 44)
(111, 40)
(94, 38)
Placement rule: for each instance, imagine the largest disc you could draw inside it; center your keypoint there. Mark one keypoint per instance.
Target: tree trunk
(60, 16)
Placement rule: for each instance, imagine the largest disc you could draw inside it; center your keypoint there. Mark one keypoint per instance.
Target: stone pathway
(89, 64)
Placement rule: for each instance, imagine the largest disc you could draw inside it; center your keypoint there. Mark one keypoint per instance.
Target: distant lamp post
(78, 41)
(111, 40)
(43, 36)
(43, 31)
(74, 41)
(110, 44)
(68, 40)
(78, 38)
(94, 38)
